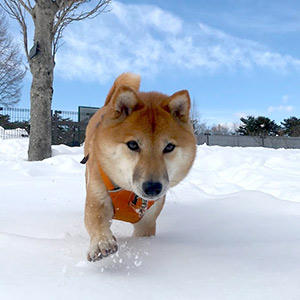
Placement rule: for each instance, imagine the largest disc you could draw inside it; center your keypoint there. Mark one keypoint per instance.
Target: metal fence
(68, 127)
(16, 114)
(15, 123)
(249, 141)
(23, 114)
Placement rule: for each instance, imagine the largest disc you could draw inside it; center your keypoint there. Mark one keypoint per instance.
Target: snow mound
(226, 232)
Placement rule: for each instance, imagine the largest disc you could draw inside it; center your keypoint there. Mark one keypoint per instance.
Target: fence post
(79, 132)
(262, 136)
(207, 137)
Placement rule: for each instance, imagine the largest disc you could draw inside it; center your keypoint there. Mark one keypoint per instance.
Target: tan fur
(152, 120)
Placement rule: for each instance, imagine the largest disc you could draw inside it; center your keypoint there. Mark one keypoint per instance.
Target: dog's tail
(126, 79)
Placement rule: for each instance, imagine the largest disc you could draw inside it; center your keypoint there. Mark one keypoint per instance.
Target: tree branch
(68, 8)
(29, 5)
(29, 10)
(14, 9)
(67, 14)
(11, 69)
(25, 39)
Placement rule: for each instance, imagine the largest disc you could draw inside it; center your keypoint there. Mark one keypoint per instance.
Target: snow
(230, 230)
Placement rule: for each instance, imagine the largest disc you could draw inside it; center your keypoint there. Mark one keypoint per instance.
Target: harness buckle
(139, 210)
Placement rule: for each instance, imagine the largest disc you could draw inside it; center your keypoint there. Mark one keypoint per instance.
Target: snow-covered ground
(231, 230)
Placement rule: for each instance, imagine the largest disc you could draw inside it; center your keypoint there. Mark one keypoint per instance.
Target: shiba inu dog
(137, 146)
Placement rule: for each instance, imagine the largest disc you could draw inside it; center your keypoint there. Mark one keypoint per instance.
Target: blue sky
(235, 57)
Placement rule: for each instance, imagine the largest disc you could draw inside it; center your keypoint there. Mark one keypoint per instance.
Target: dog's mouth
(152, 198)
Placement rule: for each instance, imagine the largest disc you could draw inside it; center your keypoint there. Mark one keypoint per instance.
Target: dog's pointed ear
(126, 79)
(178, 105)
(125, 101)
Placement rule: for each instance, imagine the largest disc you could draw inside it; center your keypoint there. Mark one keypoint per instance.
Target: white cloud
(285, 98)
(148, 40)
(283, 107)
(146, 16)
(280, 108)
(241, 115)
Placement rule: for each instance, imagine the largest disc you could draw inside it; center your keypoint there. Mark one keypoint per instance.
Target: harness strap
(109, 185)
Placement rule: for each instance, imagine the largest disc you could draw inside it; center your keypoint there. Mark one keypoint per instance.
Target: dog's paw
(102, 246)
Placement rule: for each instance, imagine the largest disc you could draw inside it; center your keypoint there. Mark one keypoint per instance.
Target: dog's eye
(169, 148)
(133, 145)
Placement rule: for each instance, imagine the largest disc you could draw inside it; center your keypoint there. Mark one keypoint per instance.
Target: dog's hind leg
(147, 225)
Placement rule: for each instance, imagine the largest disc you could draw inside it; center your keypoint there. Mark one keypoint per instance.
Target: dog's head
(145, 141)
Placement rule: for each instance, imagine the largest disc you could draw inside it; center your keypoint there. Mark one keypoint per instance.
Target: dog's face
(145, 142)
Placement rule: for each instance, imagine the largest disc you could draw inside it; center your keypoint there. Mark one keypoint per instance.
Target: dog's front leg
(98, 216)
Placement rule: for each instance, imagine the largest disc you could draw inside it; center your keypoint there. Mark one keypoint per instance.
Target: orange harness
(128, 207)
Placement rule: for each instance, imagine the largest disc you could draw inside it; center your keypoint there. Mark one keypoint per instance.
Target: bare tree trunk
(50, 18)
(41, 67)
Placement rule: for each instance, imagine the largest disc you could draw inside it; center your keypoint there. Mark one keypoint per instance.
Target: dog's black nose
(151, 188)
